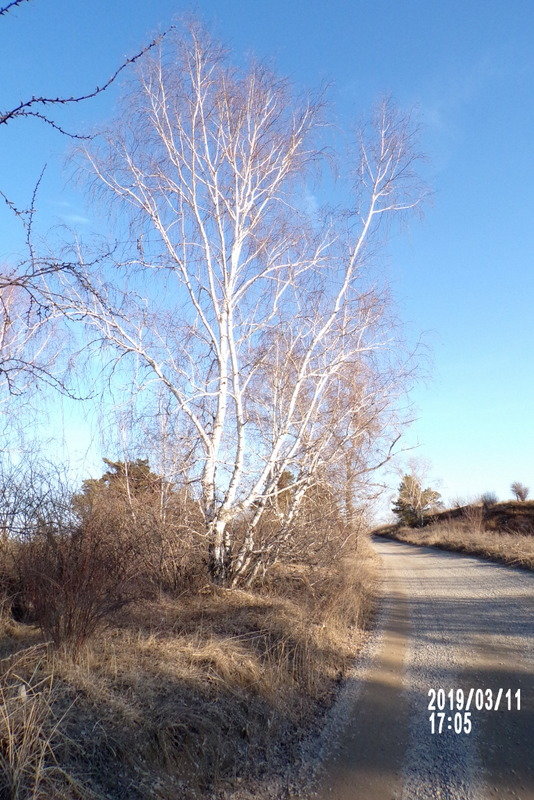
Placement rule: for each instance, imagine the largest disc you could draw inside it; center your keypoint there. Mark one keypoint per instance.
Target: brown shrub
(520, 491)
(71, 580)
(176, 696)
(160, 522)
(175, 699)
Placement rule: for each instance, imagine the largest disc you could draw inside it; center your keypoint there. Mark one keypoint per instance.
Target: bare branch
(11, 5)
(26, 107)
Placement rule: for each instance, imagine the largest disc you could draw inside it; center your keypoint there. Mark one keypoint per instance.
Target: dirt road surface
(447, 622)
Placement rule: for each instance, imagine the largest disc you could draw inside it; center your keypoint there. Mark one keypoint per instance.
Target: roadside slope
(473, 534)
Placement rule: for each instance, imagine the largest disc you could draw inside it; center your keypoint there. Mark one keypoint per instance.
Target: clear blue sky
(464, 275)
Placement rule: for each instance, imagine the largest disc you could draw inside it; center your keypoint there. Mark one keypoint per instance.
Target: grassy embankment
(503, 532)
(182, 696)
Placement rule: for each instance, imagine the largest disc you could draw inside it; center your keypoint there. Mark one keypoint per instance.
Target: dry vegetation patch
(474, 531)
(184, 695)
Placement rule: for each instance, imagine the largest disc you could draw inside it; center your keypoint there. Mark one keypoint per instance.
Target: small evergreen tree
(414, 501)
(125, 481)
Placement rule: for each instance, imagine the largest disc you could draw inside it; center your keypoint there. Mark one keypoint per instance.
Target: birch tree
(247, 311)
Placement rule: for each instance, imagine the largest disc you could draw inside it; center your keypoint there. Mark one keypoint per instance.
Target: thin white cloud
(75, 219)
(311, 204)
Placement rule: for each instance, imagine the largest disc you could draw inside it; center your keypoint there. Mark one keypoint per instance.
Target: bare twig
(11, 5)
(26, 107)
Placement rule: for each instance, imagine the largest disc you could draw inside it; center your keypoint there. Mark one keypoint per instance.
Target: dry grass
(180, 697)
(13, 635)
(469, 534)
(30, 732)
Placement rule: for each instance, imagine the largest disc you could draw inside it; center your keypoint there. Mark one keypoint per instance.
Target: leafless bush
(61, 573)
(168, 549)
(458, 502)
(72, 579)
(489, 499)
(32, 495)
(157, 520)
(317, 534)
(520, 491)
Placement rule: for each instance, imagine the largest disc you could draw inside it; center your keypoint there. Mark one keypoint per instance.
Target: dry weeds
(30, 732)
(180, 697)
(470, 536)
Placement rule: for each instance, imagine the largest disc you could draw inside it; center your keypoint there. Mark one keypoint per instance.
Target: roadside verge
(512, 549)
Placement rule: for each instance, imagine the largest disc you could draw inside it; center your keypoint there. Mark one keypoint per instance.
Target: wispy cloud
(61, 203)
(311, 204)
(448, 96)
(75, 219)
(68, 212)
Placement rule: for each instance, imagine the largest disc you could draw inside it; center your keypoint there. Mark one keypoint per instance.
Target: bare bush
(32, 495)
(458, 502)
(160, 521)
(65, 575)
(317, 533)
(73, 580)
(489, 499)
(520, 491)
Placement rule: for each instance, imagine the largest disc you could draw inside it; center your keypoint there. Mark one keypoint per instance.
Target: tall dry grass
(31, 732)
(26, 738)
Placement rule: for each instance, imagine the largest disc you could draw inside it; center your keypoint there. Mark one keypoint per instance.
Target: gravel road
(448, 621)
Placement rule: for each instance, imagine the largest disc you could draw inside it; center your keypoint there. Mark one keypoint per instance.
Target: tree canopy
(413, 502)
